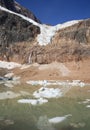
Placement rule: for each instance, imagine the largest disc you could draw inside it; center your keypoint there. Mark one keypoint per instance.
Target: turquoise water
(15, 116)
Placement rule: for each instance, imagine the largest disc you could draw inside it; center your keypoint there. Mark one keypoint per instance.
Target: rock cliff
(18, 39)
(16, 7)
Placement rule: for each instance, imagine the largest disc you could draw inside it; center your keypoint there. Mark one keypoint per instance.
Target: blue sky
(58, 11)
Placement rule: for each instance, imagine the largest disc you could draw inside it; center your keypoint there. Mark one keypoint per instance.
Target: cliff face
(68, 44)
(14, 6)
(14, 29)
(18, 38)
(79, 33)
(9, 4)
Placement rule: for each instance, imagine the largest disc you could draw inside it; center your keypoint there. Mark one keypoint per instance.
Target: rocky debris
(16, 7)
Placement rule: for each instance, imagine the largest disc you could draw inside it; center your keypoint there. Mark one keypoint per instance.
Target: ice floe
(47, 93)
(33, 101)
(59, 119)
(88, 106)
(61, 83)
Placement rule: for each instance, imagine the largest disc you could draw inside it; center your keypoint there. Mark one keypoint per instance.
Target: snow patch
(9, 65)
(33, 101)
(22, 16)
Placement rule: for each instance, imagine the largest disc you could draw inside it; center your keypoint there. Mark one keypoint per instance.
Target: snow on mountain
(47, 32)
(9, 65)
(22, 16)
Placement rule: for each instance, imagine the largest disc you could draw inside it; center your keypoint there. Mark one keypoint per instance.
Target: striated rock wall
(14, 29)
(69, 44)
(29, 53)
(79, 32)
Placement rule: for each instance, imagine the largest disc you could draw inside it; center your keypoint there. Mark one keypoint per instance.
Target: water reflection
(43, 124)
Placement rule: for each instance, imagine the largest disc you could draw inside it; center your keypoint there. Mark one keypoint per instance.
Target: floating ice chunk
(77, 83)
(64, 83)
(88, 106)
(33, 101)
(39, 82)
(48, 93)
(58, 119)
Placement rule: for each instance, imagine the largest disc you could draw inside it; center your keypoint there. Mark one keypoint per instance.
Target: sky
(58, 11)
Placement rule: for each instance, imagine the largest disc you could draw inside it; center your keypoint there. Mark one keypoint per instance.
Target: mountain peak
(16, 7)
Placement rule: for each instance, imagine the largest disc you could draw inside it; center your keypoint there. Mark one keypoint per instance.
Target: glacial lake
(71, 111)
